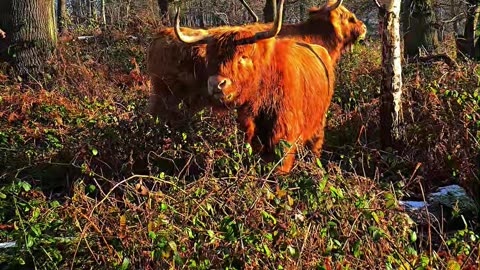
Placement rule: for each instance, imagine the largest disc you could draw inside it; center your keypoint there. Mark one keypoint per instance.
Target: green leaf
(152, 235)
(26, 186)
(413, 236)
(91, 188)
(356, 249)
(323, 183)
(267, 250)
(390, 204)
(375, 217)
(29, 241)
(173, 246)
(189, 232)
(2, 195)
(453, 265)
(125, 264)
(249, 148)
(336, 192)
(20, 261)
(319, 163)
(36, 230)
(291, 250)
(54, 204)
(163, 207)
(94, 151)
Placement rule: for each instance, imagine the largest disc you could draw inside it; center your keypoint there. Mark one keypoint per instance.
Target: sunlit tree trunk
(418, 18)
(102, 10)
(391, 114)
(31, 34)
(62, 16)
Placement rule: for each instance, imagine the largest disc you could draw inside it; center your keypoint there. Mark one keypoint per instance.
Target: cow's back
(308, 79)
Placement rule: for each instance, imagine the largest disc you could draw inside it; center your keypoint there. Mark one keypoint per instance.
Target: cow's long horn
(277, 24)
(250, 10)
(334, 6)
(200, 39)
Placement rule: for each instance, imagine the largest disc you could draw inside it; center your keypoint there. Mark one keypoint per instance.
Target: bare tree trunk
(470, 27)
(269, 10)
(31, 34)
(418, 18)
(104, 16)
(453, 12)
(201, 15)
(62, 16)
(391, 113)
(164, 15)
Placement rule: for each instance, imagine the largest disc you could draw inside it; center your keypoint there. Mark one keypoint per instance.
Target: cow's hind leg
(318, 139)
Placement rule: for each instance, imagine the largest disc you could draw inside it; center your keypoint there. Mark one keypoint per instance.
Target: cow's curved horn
(250, 10)
(277, 24)
(334, 6)
(200, 39)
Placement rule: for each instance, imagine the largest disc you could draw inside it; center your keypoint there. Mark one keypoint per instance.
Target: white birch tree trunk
(391, 113)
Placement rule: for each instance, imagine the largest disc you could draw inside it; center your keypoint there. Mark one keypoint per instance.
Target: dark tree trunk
(31, 34)
(269, 10)
(391, 113)
(419, 29)
(164, 16)
(62, 16)
(453, 12)
(470, 27)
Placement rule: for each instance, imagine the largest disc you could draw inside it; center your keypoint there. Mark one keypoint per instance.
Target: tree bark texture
(471, 24)
(62, 16)
(31, 34)
(269, 10)
(164, 15)
(418, 18)
(102, 9)
(391, 113)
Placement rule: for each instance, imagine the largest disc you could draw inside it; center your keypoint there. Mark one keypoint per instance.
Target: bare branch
(250, 10)
(440, 57)
(381, 7)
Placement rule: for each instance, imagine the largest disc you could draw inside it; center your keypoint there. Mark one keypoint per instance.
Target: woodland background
(89, 179)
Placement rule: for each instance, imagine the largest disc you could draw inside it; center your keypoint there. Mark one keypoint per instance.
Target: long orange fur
(178, 72)
(284, 93)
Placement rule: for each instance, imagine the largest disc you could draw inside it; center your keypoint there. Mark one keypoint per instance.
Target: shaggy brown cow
(283, 86)
(178, 69)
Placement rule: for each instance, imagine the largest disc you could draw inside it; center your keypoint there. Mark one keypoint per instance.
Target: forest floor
(88, 179)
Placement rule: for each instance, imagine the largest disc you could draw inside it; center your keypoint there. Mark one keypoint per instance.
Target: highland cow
(282, 87)
(177, 66)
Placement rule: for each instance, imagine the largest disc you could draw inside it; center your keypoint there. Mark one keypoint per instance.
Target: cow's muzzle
(217, 85)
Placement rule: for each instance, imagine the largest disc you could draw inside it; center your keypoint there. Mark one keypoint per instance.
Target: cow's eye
(243, 60)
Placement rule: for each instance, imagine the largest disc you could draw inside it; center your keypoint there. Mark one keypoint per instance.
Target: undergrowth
(89, 179)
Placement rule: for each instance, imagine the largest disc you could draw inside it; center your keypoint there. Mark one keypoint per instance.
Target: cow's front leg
(247, 124)
(288, 132)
